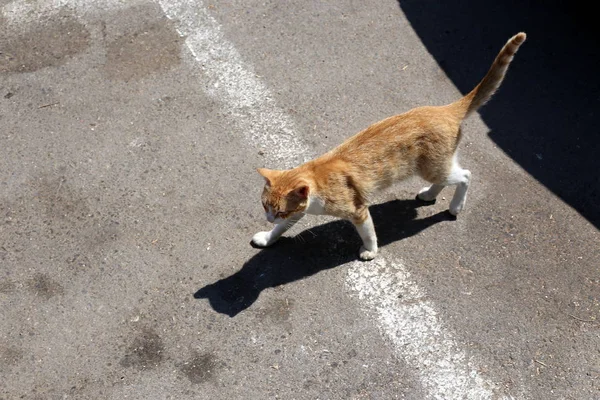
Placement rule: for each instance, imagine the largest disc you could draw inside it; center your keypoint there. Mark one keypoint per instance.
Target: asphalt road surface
(130, 132)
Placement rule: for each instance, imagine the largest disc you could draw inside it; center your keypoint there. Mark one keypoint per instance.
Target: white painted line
(236, 86)
(410, 322)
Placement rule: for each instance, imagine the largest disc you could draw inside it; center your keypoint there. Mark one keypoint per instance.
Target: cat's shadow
(314, 250)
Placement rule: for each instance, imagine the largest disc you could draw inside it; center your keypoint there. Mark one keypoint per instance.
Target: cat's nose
(270, 218)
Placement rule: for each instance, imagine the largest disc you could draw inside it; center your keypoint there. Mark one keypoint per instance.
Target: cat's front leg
(429, 193)
(364, 225)
(267, 238)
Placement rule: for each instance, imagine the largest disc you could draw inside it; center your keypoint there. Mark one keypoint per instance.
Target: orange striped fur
(422, 141)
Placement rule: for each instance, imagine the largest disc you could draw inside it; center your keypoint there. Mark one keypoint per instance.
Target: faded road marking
(235, 84)
(412, 324)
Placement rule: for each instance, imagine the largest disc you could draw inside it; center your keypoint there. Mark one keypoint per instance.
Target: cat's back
(405, 130)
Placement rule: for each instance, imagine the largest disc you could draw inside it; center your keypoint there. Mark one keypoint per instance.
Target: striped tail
(492, 80)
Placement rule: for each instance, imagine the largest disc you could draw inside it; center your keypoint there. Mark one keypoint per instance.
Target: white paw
(262, 239)
(455, 209)
(367, 255)
(425, 194)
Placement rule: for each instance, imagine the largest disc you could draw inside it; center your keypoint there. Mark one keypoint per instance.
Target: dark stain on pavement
(278, 311)
(107, 232)
(201, 368)
(146, 351)
(47, 42)
(71, 214)
(43, 286)
(7, 287)
(61, 203)
(153, 48)
(9, 356)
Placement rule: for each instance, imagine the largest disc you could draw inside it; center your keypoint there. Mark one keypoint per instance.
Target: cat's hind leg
(265, 239)
(461, 178)
(446, 173)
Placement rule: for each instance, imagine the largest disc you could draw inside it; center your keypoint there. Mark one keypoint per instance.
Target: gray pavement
(128, 197)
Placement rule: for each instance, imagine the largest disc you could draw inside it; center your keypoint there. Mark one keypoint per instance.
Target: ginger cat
(340, 183)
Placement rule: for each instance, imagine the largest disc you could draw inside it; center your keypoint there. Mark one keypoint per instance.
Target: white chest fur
(316, 206)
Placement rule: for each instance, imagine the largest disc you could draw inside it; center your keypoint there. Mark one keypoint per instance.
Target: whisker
(311, 232)
(300, 238)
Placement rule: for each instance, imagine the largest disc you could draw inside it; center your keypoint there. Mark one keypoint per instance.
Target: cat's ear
(268, 174)
(302, 191)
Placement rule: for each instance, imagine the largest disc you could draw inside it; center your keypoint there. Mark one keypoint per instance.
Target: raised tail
(492, 80)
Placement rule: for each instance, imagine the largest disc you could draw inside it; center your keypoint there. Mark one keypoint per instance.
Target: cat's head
(285, 194)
